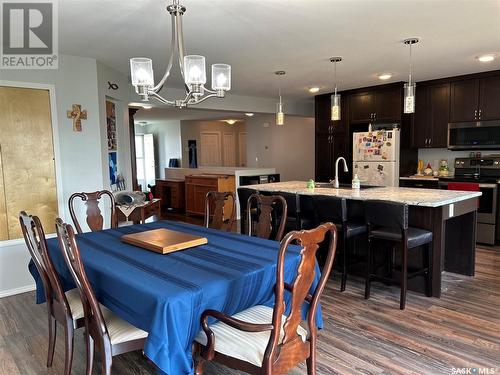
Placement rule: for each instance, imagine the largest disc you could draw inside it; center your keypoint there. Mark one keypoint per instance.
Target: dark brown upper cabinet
(432, 109)
(464, 100)
(475, 99)
(489, 98)
(378, 104)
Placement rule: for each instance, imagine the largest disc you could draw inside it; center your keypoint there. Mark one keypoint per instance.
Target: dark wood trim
(131, 113)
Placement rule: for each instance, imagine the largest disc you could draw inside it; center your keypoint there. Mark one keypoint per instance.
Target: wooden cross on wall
(77, 115)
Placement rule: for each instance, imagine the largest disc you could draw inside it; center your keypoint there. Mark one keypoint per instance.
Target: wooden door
(323, 155)
(388, 104)
(362, 106)
(489, 98)
(422, 131)
(464, 100)
(439, 114)
(229, 149)
(210, 149)
(322, 108)
(27, 157)
(242, 148)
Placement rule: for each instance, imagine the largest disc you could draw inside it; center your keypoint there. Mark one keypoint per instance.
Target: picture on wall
(113, 168)
(111, 125)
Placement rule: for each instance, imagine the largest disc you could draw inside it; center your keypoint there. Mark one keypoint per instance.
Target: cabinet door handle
(480, 112)
(426, 139)
(475, 114)
(430, 141)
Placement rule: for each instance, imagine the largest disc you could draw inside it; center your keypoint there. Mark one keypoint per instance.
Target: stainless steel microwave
(474, 135)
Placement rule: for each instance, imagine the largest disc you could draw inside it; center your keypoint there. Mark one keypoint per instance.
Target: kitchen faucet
(336, 181)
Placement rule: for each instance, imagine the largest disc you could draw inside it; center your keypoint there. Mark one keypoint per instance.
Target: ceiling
(160, 115)
(258, 37)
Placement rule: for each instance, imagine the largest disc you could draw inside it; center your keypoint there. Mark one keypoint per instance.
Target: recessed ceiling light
(313, 90)
(486, 58)
(231, 122)
(142, 123)
(147, 106)
(249, 114)
(384, 76)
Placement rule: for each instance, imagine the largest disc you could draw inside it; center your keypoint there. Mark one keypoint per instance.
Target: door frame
(61, 207)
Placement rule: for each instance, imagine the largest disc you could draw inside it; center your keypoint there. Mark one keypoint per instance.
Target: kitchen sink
(328, 185)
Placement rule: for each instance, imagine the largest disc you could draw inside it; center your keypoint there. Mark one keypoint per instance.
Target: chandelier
(192, 69)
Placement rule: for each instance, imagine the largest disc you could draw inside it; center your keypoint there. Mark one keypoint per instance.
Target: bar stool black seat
(388, 221)
(334, 209)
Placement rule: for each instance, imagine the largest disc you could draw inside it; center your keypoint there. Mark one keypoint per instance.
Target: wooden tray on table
(163, 241)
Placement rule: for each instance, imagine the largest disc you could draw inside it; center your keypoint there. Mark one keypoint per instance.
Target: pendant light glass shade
(194, 70)
(409, 87)
(141, 71)
(335, 100)
(221, 77)
(409, 98)
(280, 115)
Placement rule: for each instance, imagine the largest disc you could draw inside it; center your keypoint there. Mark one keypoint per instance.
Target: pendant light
(280, 115)
(335, 98)
(409, 87)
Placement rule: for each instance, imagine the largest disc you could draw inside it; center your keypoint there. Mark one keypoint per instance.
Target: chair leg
(404, 277)
(198, 360)
(107, 362)
(429, 270)
(68, 351)
(52, 339)
(369, 269)
(90, 353)
(344, 265)
(311, 361)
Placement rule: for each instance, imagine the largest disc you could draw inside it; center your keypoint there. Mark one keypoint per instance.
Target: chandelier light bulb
(141, 70)
(194, 70)
(221, 77)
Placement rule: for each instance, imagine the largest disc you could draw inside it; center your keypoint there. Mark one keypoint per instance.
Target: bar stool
(388, 221)
(334, 209)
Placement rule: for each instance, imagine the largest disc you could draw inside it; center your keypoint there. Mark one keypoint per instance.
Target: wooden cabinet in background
(171, 193)
(432, 109)
(197, 187)
(379, 104)
(475, 99)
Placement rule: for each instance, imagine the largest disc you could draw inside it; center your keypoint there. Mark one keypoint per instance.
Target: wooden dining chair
(63, 308)
(271, 216)
(111, 334)
(262, 340)
(218, 200)
(95, 220)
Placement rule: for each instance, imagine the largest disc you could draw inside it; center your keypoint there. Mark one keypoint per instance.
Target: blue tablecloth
(165, 295)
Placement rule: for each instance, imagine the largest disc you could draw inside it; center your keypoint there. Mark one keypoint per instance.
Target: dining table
(165, 295)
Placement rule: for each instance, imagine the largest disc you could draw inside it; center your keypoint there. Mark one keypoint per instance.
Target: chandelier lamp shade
(280, 115)
(192, 69)
(335, 98)
(409, 87)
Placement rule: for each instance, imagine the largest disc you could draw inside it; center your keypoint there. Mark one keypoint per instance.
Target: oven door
(480, 135)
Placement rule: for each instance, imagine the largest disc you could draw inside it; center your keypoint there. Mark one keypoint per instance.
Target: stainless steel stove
(483, 174)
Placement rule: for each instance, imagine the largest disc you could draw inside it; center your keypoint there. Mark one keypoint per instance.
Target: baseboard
(12, 292)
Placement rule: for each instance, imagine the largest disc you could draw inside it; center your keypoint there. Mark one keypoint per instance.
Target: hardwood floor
(432, 336)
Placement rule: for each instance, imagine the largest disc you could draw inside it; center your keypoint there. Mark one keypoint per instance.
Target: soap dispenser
(356, 184)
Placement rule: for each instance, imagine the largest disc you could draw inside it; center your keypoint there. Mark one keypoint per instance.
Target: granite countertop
(410, 196)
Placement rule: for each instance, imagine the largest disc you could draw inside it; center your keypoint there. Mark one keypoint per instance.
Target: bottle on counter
(356, 184)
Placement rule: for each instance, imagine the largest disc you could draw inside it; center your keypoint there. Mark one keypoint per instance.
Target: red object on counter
(464, 186)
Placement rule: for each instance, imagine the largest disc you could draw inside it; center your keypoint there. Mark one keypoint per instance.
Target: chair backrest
(328, 208)
(94, 320)
(34, 236)
(292, 203)
(95, 220)
(215, 208)
(380, 213)
(268, 224)
(300, 291)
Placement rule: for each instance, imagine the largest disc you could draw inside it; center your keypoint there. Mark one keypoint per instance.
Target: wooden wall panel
(27, 157)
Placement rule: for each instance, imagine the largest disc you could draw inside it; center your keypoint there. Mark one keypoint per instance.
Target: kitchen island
(450, 215)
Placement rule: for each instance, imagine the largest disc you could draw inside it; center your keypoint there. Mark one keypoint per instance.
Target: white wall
(191, 130)
(80, 152)
(167, 138)
(288, 148)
